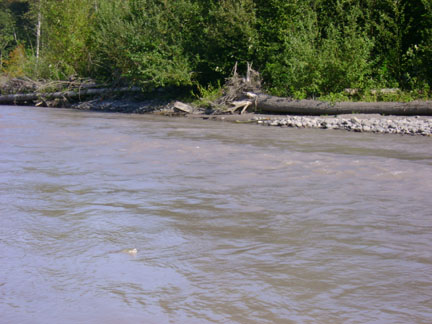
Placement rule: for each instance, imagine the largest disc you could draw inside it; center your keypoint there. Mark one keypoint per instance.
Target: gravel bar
(416, 125)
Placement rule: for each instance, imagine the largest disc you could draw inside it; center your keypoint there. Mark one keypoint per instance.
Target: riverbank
(417, 125)
(364, 123)
(237, 105)
(372, 123)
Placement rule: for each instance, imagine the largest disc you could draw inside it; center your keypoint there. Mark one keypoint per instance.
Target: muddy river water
(231, 223)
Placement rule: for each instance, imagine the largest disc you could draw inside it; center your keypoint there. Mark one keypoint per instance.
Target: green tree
(65, 34)
(417, 56)
(141, 40)
(312, 48)
(7, 29)
(224, 33)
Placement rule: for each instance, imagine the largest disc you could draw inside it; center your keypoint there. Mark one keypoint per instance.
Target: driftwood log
(271, 104)
(182, 107)
(72, 94)
(244, 93)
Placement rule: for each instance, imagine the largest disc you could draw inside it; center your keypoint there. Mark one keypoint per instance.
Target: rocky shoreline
(237, 104)
(368, 123)
(371, 123)
(416, 125)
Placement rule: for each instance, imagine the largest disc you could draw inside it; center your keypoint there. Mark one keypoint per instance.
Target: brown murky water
(232, 223)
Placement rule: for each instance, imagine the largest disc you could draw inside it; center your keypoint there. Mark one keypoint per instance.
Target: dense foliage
(302, 48)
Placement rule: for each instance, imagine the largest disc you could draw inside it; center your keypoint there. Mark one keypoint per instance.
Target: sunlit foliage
(302, 48)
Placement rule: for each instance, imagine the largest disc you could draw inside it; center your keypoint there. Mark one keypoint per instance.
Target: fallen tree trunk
(271, 104)
(26, 97)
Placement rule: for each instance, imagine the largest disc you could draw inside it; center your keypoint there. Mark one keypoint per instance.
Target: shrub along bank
(303, 49)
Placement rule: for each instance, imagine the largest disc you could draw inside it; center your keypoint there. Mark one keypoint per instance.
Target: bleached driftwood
(182, 107)
(244, 104)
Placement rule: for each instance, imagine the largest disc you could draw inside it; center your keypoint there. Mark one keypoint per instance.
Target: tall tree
(38, 28)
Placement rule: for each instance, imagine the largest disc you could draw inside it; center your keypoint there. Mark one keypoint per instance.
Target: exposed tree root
(243, 93)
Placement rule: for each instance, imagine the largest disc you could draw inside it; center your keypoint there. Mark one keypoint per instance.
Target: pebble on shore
(390, 124)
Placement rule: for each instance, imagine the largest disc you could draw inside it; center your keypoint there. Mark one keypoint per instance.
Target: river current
(231, 223)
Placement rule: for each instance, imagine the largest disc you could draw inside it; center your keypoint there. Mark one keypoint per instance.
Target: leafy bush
(142, 41)
(17, 62)
(6, 33)
(65, 37)
(417, 58)
(224, 34)
(316, 60)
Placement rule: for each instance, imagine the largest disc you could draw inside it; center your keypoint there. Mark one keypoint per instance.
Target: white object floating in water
(133, 251)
